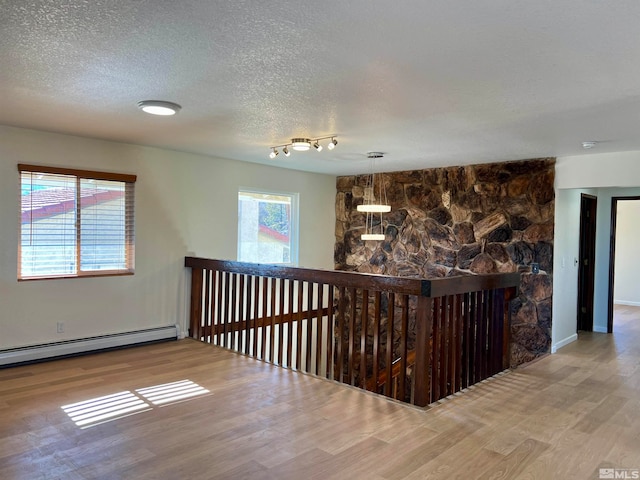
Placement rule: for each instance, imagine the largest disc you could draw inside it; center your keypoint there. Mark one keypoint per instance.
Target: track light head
(332, 144)
(273, 154)
(317, 146)
(286, 151)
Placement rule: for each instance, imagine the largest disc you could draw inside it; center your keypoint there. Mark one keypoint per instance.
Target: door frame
(612, 256)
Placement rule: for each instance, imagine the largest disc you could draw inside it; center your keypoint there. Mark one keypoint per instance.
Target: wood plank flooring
(562, 417)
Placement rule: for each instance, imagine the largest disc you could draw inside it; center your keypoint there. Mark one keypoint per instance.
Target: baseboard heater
(46, 351)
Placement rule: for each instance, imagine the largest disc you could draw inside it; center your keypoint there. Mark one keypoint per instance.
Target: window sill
(82, 275)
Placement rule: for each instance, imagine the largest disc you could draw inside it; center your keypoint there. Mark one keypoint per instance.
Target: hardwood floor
(562, 417)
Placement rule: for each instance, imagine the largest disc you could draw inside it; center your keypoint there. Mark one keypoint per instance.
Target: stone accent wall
(462, 221)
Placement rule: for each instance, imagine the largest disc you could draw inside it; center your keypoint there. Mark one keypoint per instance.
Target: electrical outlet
(60, 327)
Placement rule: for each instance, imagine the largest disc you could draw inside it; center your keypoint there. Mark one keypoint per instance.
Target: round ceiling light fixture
(159, 107)
(300, 144)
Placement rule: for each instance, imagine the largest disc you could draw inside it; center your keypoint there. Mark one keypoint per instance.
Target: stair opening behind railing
(414, 340)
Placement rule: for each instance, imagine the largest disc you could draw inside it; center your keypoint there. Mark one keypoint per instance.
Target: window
(267, 227)
(75, 223)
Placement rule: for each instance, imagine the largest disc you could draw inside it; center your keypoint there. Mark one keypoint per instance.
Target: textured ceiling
(431, 83)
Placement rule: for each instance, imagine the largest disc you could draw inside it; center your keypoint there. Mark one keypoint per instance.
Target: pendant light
(375, 201)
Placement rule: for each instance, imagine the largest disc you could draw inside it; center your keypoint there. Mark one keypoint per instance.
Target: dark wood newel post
(424, 323)
(195, 310)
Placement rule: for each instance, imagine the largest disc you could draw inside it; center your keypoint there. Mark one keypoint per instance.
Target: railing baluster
(281, 323)
(458, 337)
(222, 298)
(482, 326)
(376, 339)
(272, 320)
(509, 294)
(451, 345)
(436, 340)
(340, 321)
(255, 289)
(364, 321)
(245, 314)
(319, 328)
(404, 338)
(352, 327)
(388, 387)
(443, 347)
(289, 360)
(205, 308)
(330, 333)
(309, 317)
(299, 324)
(467, 335)
(212, 305)
(263, 318)
(233, 299)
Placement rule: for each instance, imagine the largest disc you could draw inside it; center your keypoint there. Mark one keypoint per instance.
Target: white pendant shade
(372, 236)
(374, 208)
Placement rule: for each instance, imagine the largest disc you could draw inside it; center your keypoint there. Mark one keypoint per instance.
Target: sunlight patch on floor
(118, 405)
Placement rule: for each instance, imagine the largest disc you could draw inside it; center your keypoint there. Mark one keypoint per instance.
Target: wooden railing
(447, 333)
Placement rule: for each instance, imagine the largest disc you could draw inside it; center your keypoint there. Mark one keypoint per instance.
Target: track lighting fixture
(302, 144)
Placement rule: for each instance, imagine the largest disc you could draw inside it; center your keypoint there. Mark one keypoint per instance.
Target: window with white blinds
(75, 223)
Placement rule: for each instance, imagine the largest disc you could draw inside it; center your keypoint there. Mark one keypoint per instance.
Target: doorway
(586, 266)
(612, 255)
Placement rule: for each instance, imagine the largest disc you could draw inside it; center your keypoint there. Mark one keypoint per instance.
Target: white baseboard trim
(600, 329)
(625, 302)
(563, 342)
(84, 345)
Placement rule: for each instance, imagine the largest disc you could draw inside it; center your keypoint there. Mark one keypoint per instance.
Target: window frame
(79, 175)
(294, 234)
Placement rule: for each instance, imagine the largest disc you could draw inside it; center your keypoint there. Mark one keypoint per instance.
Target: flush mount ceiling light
(159, 107)
(589, 144)
(302, 145)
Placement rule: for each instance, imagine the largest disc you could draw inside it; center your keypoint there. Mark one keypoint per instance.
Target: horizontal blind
(106, 225)
(48, 225)
(74, 225)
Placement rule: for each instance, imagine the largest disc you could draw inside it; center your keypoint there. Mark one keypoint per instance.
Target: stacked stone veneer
(467, 220)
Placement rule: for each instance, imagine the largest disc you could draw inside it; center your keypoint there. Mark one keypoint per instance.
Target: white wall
(565, 270)
(621, 169)
(573, 175)
(626, 291)
(185, 204)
